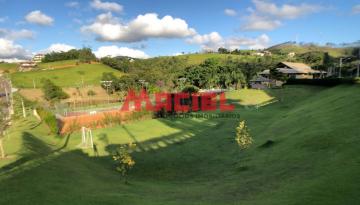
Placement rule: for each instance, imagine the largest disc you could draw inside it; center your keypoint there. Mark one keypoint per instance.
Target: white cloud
(114, 51)
(259, 42)
(260, 23)
(356, 9)
(268, 16)
(11, 51)
(213, 41)
(37, 17)
(16, 34)
(106, 6)
(285, 11)
(109, 28)
(58, 47)
(230, 12)
(72, 4)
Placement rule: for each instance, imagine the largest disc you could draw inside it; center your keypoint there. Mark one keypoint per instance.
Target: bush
(124, 161)
(91, 93)
(321, 82)
(49, 119)
(53, 92)
(243, 138)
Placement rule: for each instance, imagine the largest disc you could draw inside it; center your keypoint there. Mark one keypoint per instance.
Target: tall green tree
(53, 92)
(86, 55)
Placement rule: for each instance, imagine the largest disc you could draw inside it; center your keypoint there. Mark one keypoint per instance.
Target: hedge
(322, 82)
(49, 119)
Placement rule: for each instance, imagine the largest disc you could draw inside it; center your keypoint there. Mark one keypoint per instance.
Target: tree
(59, 56)
(86, 55)
(53, 92)
(124, 160)
(243, 138)
(223, 51)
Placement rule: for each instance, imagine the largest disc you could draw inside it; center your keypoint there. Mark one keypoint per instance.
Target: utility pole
(107, 84)
(23, 108)
(341, 59)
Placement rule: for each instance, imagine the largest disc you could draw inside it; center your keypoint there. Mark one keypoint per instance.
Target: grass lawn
(249, 96)
(57, 64)
(193, 59)
(8, 67)
(312, 157)
(90, 74)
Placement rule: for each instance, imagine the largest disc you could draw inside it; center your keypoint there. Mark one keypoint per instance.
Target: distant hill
(335, 51)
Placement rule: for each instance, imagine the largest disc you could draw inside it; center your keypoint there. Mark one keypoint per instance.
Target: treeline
(169, 73)
(235, 51)
(231, 73)
(84, 55)
(320, 60)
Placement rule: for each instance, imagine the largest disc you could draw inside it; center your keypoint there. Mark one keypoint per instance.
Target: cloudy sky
(146, 28)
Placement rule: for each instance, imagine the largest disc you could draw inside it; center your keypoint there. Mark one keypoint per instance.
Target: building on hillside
(262, 53)
(260, 82)
(291, 54)
(290, 70)
(259, 54)
(27, 66)
(296, 71)
(38, 58)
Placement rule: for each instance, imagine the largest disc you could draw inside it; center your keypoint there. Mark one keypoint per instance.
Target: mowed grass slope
(8, 67)
(90, 74)
(58, 64)
(312, 158)
(194, 59)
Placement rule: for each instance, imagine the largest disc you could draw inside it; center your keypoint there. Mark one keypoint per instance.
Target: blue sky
(112, 27)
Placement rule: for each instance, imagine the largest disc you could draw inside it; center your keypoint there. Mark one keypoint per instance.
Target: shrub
(321, 82)
(49, 119)
(91, 93)
(53, 92)
(124, 160)
(243, 138)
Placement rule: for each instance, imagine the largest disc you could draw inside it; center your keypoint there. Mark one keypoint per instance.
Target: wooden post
(23, 108)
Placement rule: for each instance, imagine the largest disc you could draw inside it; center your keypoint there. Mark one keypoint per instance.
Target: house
(38, 58)
(259, 54)
(295, 71)
(291, 54)
(260, 82)
(27, 66)
(262, 53)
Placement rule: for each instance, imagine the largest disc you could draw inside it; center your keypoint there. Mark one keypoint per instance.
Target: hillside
(300, 49)
(90, 74)
(8, 67)
(193, 59)
(312, 157)
(58, 64)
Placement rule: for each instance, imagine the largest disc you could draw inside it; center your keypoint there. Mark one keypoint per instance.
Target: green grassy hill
(8, 67)
(312, 157)
(64, 77)
(198, 58)
(300, 49)
(57, 64)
